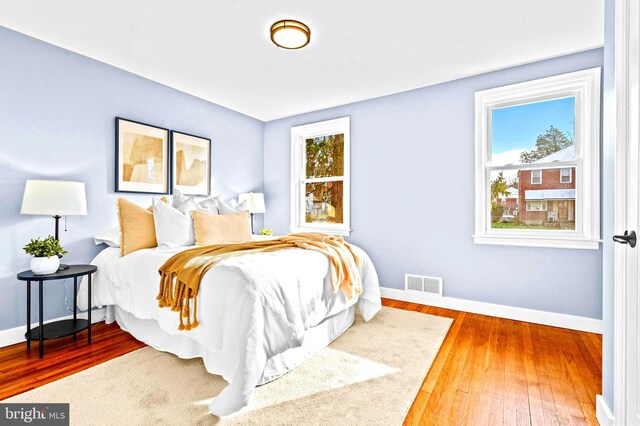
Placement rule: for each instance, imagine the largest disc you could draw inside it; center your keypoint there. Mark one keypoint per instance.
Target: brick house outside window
(550, 197)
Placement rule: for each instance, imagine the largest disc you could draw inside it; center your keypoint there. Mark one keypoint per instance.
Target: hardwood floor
(489, 371)
(22, 370)
(493, 371)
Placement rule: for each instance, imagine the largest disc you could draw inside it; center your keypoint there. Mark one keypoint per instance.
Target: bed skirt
(181, 345)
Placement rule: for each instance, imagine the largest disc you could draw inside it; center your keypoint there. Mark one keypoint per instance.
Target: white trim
(533, 173)
(322, 229)
(553, 319)
(324, 179)
(534, 166)
(603, 413)
(15, 335)
(528, 203)
(627, 36)
(532, 241)
(584, 86)
(570, 174)
(298, 176)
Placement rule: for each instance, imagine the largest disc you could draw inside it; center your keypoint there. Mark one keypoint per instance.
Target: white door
(627, 294)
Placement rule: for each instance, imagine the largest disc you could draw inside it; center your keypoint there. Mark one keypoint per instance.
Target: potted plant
(266, 231)
(45, 253)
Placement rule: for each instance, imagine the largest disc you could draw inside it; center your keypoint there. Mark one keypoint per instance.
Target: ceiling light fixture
(290, 34)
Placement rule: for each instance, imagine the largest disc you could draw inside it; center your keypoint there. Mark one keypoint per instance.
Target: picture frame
(143, 158)
(190, 163)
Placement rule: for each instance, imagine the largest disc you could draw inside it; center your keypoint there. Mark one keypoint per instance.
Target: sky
(515, 129)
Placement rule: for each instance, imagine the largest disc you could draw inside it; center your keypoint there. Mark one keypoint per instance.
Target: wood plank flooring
(22, 370)
(489, 371)
(493, 371)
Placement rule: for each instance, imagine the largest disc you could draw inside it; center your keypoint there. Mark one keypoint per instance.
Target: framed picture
(191, 163)
(142, 158)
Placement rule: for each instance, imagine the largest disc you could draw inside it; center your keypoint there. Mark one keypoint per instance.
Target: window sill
(567, 243)
(325, 230)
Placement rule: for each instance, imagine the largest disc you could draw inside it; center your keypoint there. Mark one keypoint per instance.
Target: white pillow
(179, 199)
(110, 237)
(231, 207)
(209, 205)
(185, 203)
(173, 228)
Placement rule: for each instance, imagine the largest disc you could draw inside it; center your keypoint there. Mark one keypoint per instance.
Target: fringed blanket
(180, 276)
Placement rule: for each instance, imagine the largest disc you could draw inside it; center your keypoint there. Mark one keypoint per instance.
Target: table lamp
(55, 198)
(255, 203)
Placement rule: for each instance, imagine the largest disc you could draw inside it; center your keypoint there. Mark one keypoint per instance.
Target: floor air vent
(430, 285)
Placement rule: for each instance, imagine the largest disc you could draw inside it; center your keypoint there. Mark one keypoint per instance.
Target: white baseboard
(501, 311)
(603, 413)
(16, 335)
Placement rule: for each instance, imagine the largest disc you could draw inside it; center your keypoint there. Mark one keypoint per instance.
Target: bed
(261, 315)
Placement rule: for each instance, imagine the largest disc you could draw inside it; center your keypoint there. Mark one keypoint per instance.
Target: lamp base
(63, 267)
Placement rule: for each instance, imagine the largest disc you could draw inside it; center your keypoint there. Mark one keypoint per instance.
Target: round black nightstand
(54, 330)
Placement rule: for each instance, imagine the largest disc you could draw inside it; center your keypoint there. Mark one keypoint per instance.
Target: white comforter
(250, 308)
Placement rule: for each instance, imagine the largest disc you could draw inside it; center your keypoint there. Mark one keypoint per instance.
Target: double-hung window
(565, 175)
(320, 177)
(536, 177)
(540, 142)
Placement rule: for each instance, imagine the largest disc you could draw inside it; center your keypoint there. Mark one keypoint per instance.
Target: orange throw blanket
(180, 276)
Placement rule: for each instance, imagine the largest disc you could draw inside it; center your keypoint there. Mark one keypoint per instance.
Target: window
(539, 140)
(536, 206)
(536, 177)
(565, 175)
(320, 177)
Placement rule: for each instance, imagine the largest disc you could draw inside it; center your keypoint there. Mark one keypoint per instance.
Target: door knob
(627, 238)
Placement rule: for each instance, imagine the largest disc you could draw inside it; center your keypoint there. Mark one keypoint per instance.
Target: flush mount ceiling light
(290, 34)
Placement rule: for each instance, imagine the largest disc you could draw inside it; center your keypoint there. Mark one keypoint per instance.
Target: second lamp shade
(254, 200)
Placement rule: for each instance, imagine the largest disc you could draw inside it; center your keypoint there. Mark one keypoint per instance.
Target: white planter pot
(45, 265)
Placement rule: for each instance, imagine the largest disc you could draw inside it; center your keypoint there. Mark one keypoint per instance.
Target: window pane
(324, 202)
(325, 156)
(518, 203)
(536, 177)
(538, 132)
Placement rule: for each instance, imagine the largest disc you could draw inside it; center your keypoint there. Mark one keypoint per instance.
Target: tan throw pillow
(221, 228)
(137, 228)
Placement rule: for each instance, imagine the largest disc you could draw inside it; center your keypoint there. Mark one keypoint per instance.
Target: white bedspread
(250, 308)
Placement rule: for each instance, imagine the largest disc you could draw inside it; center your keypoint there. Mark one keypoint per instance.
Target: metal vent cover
(423, 284)
(414, 283)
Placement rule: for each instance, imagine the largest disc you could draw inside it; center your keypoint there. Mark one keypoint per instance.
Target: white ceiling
(360, 49)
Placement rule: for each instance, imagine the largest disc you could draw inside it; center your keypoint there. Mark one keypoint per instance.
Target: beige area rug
(368, 376)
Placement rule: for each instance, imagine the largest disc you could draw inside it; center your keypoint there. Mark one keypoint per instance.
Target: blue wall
(412, 174)
(57, 112)
(412, 197)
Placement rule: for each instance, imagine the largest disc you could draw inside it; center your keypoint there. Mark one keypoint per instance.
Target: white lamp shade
(54, 197)
(254, 200)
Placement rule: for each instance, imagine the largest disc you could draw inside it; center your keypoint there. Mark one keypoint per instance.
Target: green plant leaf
(44, 248)
(266, 231)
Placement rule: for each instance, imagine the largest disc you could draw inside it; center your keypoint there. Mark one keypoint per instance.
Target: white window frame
(570, 174)
(542, 203)
(532, 174)
(298, 175)
(584, 86)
